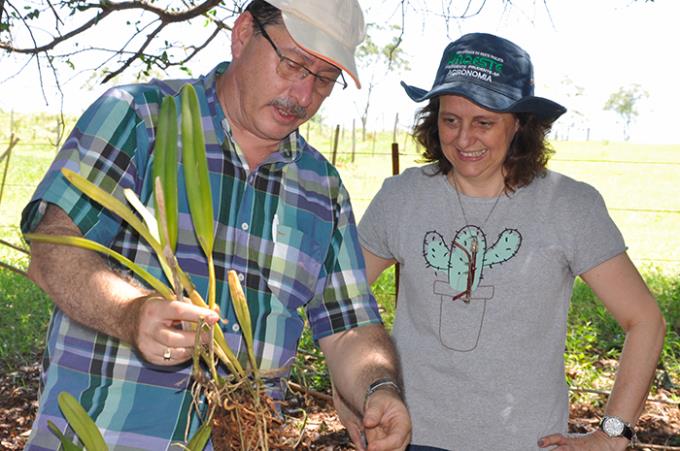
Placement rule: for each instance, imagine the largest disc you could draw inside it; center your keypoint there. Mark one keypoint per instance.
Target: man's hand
(88, 291)
(594, 441)
(157, 331)
(350, 420)
(386, 422)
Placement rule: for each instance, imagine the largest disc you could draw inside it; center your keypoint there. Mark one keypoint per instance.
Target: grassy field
(637, 182)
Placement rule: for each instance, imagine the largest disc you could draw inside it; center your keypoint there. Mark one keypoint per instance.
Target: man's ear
(241, 34)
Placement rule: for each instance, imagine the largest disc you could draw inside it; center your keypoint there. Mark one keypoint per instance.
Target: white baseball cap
(328, 29)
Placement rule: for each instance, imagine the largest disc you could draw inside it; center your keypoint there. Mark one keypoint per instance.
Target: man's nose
(303, 90)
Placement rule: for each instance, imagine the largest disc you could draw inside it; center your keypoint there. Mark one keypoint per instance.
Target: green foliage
(34, 128)
(201, 438)
(593, 334)
(624, 100)
(624, 103)
(384, 291)
(667, 293)
(66, 443)
(587, 311)
(24, 313)
(309, 369)
(380, 59)
(81, 423)
(165, 169)
(389, 56)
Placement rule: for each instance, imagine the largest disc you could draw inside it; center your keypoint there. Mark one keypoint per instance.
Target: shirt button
(244, 226)
(235, 328)
(241, 277)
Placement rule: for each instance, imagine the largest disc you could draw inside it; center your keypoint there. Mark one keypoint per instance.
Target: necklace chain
(462, 209)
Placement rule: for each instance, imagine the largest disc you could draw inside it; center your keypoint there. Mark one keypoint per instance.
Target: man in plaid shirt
(283, 221)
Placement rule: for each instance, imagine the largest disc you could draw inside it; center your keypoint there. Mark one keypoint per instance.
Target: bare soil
(658, 427)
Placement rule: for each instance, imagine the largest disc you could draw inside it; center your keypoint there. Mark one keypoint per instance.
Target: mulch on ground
(658, 427)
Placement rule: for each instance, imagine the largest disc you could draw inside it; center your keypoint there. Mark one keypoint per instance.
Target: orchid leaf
(84, 243)
(81, 423)
(146, 215)
(67, 444)
(165, 167)
(197, 181)
(200, 439)
(238, 299)
(116, 206)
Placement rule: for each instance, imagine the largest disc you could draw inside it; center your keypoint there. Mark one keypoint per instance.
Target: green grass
(630, 190)
(24, 313)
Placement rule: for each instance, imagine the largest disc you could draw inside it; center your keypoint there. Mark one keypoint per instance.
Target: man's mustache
(289, 106)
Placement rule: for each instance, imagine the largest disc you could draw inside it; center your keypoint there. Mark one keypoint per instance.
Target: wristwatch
(616, 427)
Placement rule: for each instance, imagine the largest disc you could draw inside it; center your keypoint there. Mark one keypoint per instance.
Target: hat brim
(490, 100)
(322, 45)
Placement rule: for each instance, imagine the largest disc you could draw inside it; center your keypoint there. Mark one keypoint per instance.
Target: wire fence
(350, 148)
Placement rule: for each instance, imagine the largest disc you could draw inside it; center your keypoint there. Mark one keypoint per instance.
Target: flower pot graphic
(460, 323)
(463, 300)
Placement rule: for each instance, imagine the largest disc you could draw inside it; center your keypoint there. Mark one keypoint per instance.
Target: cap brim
(490, 100)
(322, 45)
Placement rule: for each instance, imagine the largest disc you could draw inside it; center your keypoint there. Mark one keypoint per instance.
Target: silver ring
(167, 355)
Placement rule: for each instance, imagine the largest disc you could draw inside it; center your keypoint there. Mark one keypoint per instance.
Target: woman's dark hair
(527, 156)
(265, 13)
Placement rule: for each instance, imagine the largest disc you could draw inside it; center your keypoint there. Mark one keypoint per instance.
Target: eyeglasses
(293, 71)
(472, 268)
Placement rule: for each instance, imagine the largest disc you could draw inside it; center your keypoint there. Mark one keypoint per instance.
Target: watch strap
(381, 384)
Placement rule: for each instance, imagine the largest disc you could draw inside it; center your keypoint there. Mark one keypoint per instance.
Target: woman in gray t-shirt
(489, 243)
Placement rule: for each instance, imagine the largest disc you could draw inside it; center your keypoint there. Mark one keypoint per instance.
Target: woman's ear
(241, 33)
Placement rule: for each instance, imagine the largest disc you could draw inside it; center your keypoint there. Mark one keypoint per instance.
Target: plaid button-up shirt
(286, 227)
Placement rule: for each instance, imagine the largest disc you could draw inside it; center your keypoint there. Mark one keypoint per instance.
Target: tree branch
(392, 53)
(196, 50)
(13, 269)
(15, 247)
(136, 55)
(104, 9)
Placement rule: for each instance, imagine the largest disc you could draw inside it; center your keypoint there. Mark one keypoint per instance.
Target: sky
(598, 46)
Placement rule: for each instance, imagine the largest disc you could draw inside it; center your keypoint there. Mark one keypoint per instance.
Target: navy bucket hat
(492, 72)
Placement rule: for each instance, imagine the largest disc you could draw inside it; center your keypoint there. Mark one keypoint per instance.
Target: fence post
(406, 135)
(395, 158)
(395, 171)
(5, 156)
(354, 139)
(335, 142)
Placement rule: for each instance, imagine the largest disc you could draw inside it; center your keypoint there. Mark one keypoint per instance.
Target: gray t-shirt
(489, 373)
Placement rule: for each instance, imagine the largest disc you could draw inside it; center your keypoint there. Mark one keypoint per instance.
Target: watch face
(613, 427)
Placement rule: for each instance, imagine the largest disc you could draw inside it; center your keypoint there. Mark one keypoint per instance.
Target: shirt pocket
(295, 266)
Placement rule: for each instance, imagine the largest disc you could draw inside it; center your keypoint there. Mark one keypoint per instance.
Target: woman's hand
(593, 441)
